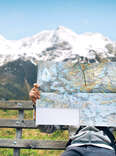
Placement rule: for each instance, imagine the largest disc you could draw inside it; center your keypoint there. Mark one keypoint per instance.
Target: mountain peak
(64, 29)
(60, 27)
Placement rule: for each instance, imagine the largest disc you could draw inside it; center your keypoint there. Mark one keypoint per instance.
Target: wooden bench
(19, 124)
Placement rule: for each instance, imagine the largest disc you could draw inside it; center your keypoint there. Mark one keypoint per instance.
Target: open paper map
(74, 93)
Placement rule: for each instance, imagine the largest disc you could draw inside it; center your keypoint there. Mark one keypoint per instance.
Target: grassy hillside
(29, 134)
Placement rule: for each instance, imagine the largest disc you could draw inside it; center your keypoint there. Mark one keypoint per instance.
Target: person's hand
(34, 93)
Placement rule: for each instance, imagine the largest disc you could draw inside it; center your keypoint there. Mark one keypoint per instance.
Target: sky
(23, 18)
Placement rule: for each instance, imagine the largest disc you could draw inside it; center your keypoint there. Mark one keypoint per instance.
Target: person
(34, 94)
(87, 141)
(91, 141)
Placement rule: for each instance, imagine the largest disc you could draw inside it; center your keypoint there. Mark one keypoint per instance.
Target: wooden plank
(8, 123)
(26, 124)
(16, 105)
(33, 144)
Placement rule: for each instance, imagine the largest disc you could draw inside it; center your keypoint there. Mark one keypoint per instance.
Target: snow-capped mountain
(17, 71)
(57, 45)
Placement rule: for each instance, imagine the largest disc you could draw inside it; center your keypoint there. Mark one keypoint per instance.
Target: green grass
(28, 134)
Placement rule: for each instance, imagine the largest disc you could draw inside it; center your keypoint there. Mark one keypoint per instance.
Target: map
(86, 90)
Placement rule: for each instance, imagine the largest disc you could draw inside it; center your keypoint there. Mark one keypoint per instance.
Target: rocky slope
(16, 79)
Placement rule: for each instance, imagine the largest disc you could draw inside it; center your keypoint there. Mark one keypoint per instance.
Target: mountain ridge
(34, 48)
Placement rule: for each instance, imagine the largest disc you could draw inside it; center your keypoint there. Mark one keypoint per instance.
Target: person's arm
(34, 93)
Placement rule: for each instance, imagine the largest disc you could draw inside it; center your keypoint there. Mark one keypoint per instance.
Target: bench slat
(8, 123)
(33, 144)
(16, 105)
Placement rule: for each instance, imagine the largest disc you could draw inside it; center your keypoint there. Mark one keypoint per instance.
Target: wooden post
(18, 132)
(34, 112)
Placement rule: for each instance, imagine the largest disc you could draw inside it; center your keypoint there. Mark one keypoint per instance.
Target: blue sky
(22, 18)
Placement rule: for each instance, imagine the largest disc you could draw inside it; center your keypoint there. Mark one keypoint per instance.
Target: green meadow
(29, 134)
